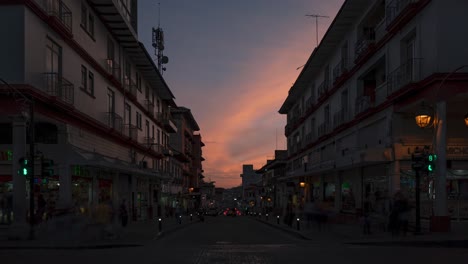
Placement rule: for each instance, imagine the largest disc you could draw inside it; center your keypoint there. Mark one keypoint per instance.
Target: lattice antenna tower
(158, 44)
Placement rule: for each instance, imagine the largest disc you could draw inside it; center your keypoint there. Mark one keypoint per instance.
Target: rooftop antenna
(316, 26)
(158, 44)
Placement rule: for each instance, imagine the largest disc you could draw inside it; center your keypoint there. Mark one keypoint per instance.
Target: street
(238, 240)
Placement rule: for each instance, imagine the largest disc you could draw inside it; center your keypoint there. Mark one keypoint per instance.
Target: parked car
(231, 212)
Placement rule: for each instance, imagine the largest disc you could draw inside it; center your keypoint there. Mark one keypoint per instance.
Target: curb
(286, 230)
(163, 233)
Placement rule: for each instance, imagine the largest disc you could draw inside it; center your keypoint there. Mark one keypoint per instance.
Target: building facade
(101, 107)
(351, 112)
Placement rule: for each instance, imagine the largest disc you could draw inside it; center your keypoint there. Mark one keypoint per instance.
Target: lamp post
(440, 221)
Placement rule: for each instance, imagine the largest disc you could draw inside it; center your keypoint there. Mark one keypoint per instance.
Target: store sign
(6, 155)
(457, 151)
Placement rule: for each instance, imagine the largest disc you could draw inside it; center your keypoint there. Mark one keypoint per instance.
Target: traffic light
(24, 167)
(430, 162)
(47, 168)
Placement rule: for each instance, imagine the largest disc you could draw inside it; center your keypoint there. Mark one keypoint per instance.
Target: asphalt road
(239, 240)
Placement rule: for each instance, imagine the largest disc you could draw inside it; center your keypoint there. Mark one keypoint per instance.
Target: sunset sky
(232, 63)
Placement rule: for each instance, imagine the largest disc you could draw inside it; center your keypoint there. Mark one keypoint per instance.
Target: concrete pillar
(20, 203)
(394, 178)
(441, 219)
(65, 188)
(338, 191)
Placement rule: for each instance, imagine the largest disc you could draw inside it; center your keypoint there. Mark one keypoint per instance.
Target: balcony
(407, 73)
(324, 128)
(113, 68)
(340, 69)
(364, 43)
(130, 87)
(166, 120)
(310, 137)
(309, 103)
(149, 106)
(323, 89)
(114, 121)
(59, 87)
(58, 11)
(381, 94)
(396, 8)
(131, 132)
(363, 103)
(341, 117)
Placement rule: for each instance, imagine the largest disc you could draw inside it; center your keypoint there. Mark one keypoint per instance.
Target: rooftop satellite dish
(165, 60)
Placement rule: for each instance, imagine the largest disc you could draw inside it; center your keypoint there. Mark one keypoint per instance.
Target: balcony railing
(407, 73)
(363, 43)
(113, 68)
(59, 87)
(362, 104)
(381, 93)
(340, 117)
(114, 121)
(58, 9)
(130, 87)
(340, 69)
(395, 8)
(149, 105)
(324, 128)
(166, 120)
(310, 102)
(323, 88)
(131, 131)
(310, 137)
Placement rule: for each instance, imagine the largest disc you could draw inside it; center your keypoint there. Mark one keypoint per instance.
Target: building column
(440, 222)
(338, 191)
(19, 227)
(394, 178)
(65, 188)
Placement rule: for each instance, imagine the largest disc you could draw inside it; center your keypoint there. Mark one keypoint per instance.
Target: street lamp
(466, 120)
(424, 116)
(302, 184)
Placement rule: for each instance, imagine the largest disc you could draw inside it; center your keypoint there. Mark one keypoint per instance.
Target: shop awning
(92, 159)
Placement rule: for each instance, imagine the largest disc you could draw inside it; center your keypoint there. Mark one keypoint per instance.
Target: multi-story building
(189, 160)
(351, 112)
(249, 176)
(100, 105)
(274, 183)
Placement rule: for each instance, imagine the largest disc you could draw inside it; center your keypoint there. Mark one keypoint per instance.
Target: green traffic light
(429, 167)
(431, 158)
(25, 171)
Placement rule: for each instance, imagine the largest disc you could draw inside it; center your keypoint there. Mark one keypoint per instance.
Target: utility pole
(316, 25)
(31, 179)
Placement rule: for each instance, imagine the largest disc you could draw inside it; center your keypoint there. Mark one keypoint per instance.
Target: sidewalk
(352, 233)
(93, 237)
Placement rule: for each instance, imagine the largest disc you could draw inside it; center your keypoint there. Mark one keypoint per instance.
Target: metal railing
(115, 121)
(323, 88)
(309, 102)
(362, 104)
(340, 69)
(363, 43)
(57, 86)
(407, 73)
(113, 68)
(310, 137)
(57, 8)
(340, 117)
(149, 107)
(130, 86)
(131, 131)
(395, 8)
(381, 93)
(324, 128)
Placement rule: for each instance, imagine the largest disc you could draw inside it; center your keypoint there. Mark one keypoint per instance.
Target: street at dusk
(235, 131)
(241, 240)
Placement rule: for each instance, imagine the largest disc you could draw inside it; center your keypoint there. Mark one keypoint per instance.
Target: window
(152, 131)
(138, 120)
(91, 83)
(147, 129)
(53, 58)
(84, 78)
(110, 101)
(138, 81)
(159, 137)
(6, 133)
(146, 92)
(127, 114)
(87, 20)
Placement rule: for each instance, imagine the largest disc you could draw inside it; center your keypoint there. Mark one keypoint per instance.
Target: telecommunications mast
(158, 44)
